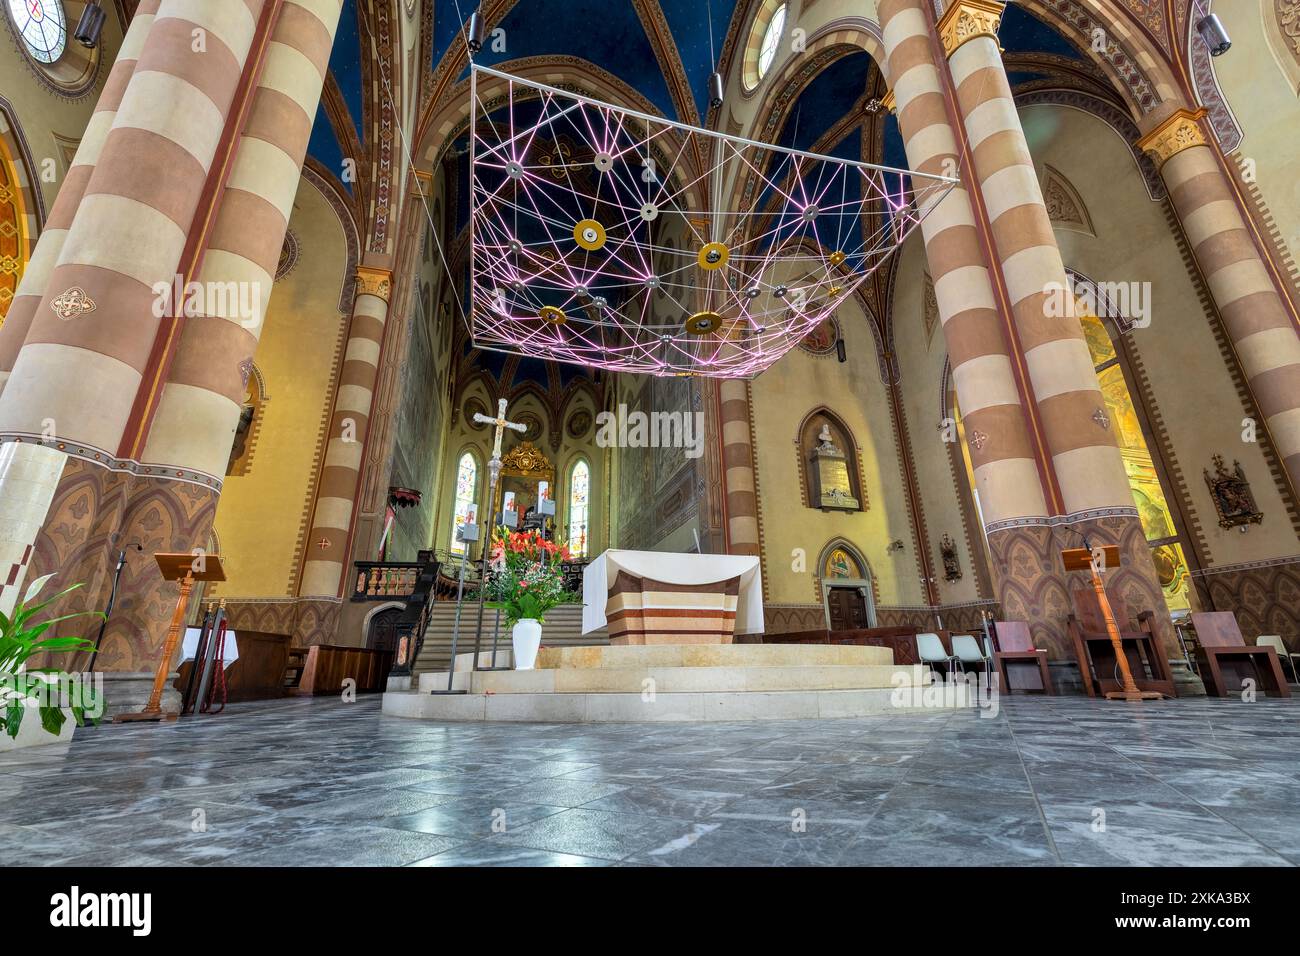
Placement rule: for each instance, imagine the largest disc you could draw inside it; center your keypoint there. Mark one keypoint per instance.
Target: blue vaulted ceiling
(608, 34)
(345, 65)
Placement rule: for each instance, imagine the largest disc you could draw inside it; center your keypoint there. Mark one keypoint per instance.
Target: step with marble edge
(702, 706)
(713, 655)
(670, 680)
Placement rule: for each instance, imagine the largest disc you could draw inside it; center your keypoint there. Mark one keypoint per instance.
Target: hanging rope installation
(611, 238)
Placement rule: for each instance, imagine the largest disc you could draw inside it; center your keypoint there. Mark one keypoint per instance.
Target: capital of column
(888, 102)
(1181, 131)
(967, 19)
(372, 281)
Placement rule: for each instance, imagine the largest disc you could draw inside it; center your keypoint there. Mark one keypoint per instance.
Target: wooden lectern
(1080, 559)
(185, 568)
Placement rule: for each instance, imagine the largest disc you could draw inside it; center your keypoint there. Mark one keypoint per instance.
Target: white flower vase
(526, 638)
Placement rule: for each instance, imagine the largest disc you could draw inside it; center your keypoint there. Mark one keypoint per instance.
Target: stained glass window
(42, 27)
(466, 494)
(1148, 495)
(579, 486)
(771, 39)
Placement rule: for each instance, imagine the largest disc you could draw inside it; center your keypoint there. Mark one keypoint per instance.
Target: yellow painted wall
(780, 400)
(261, 513)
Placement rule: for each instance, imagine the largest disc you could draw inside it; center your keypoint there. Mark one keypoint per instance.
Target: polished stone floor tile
(321, 782)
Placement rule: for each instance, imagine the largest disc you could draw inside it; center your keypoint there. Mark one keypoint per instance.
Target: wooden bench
(1227, 659)
(1015, 645)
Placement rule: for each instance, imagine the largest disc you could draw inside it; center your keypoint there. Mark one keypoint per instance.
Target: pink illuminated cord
(625, 303)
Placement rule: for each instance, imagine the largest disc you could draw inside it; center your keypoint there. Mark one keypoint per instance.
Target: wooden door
(848, 609)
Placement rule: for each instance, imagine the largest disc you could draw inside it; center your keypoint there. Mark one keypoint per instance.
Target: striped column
(1263, 332)
(90, 339)
(1082, 443)
(1086, 462)
(336, 500)
(1001, 447)
(36, 276)
(738, 467)
(199, 408)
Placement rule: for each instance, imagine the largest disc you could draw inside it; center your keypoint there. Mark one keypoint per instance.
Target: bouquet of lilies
(526, 575)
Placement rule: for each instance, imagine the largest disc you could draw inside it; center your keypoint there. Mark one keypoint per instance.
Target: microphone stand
(112, 597)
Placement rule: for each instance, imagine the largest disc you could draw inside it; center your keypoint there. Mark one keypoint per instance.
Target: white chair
(1275, 641)
(931, 651)
(967, 651)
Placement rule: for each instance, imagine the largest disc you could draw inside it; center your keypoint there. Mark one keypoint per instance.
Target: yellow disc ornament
(702, 323)
(713, 256)
(589, 234)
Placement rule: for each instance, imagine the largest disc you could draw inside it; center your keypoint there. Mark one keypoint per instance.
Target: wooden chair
(1096, 654)
(1225, 654)
(1015, 644)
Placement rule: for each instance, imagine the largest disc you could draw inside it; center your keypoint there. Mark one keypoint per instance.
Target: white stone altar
(657, 597)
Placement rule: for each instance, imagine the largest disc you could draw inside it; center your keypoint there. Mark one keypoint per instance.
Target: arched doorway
(845, 580)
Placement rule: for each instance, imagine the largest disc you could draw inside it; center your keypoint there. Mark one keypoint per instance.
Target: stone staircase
(563, 628)
(677, 682)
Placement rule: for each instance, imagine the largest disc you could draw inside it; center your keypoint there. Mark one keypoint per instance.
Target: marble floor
(321, 782)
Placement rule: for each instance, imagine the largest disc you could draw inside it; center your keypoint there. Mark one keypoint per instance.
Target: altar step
(680, 682)
(699, 706)
(675, 680)
(563, 628)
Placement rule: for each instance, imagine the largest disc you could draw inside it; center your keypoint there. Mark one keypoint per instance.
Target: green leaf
(34, 588)
(14, 717)
(52, 719)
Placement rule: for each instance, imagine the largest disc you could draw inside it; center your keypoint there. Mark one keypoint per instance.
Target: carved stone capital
(372, 281)
(887, 101)
(967, 19)
(1181, 131)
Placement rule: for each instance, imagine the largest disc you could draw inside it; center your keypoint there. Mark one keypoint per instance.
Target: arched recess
(577, 507)
(846, 586)
(753, 71)
(1138, 68)
(1146, 461)
(783, 86)
(22, 209)
(468, 489)
(810, 438)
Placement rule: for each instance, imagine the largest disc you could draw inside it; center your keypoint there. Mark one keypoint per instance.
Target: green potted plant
(526, 581)
(24, 689)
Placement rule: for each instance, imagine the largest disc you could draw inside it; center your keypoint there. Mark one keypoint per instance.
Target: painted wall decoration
(1233, 499)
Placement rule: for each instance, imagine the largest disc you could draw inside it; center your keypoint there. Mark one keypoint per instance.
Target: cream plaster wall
(261, 514)
(1260, 80)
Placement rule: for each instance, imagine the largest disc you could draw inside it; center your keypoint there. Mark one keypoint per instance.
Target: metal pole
(494, 469)
(455, 628)
(112, 597)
